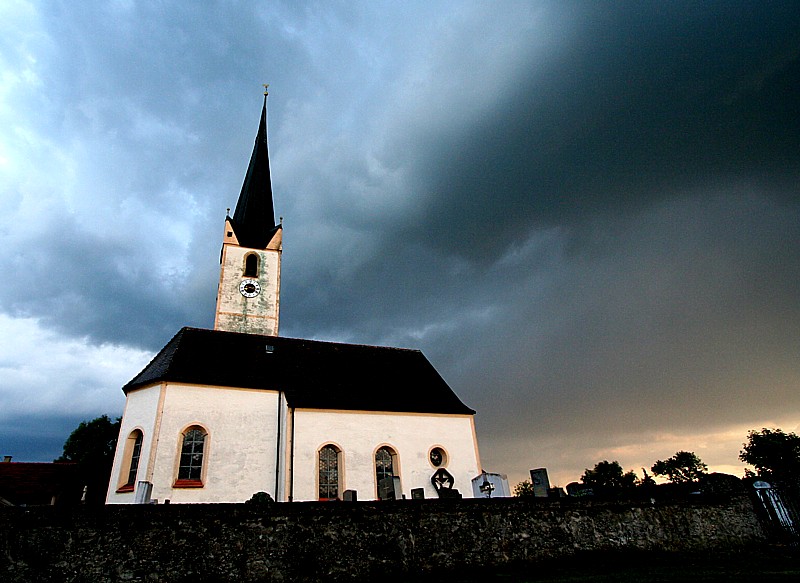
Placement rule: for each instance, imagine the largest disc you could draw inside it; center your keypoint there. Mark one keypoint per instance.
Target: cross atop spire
(254, 217)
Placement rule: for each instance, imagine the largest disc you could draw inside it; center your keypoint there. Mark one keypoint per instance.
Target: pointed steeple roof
(254, 218)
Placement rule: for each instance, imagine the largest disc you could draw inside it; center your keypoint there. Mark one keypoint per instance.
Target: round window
(438, 457)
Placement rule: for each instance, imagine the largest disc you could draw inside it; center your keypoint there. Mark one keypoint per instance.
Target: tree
(608, 477)
(91, 447)
(774, 454)
(647, 480)
(682, 468)
(523, 489)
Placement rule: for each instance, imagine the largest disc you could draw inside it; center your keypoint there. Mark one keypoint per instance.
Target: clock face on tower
(249, 288)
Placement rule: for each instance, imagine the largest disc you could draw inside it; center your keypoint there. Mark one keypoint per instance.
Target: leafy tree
(91, 447)
(608, 477)
(647, 480)
(774, 454)
(523, 489)
(682, 468)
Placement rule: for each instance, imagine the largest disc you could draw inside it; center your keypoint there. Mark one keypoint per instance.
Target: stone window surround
(127, 475)
(192, 482)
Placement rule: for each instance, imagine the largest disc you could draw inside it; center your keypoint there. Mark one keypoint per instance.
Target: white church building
(219, 415)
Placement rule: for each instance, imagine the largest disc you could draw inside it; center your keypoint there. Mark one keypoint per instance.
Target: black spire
(254, 218)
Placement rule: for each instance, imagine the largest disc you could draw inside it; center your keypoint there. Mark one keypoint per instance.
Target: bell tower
(248, 297)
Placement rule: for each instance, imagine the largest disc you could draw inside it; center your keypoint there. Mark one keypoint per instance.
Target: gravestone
(540, 481)
(490, 485)
(143, 491)
(443, 483)
(389, 488)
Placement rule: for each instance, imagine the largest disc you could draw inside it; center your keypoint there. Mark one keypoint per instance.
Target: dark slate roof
(313, 374)
(254, 218)
(34, 484)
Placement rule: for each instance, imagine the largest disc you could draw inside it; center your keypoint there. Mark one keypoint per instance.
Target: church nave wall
(360, 434)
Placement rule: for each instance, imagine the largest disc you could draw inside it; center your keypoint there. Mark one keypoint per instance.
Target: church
(220, 415)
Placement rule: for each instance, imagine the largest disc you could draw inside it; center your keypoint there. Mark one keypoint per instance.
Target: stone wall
(345, 541)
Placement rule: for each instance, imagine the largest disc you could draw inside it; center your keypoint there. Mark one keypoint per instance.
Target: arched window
(251, 265)
(190, 470)
(386, 467)
(133, 451)
(329, 472)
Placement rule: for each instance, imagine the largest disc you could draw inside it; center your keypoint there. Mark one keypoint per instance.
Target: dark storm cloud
(644, 106)
(37, 438)
(613, 246)
(644, 102)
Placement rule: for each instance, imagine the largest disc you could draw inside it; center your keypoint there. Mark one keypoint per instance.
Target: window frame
(125, 483)
(395, 468)
(445, 456)
(192, 482)
(339, 471)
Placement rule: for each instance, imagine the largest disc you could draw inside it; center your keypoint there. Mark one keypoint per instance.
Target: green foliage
(647, 480)
(91, 442)
(91, 447)
(608, 477)
(774, 454)
(682, 468)
(523, 489)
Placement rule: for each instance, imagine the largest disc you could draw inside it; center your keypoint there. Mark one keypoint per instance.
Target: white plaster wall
(241, 447)
(141, 410)
(236, 313)
(360, 434)
(240, 451)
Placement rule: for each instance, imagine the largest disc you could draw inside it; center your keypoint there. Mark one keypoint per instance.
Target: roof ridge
(312, 340)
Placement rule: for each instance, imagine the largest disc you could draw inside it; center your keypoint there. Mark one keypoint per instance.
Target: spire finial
(266, 87)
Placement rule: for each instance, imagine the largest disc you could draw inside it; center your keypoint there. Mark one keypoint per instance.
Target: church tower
(248, 297)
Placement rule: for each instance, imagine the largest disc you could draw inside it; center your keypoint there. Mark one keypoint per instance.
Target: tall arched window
(251, 265)
(190, 470)
(386, 467)
(328, 472)
(130, 465)
(384, 464)
(133, 468)
(386, 480)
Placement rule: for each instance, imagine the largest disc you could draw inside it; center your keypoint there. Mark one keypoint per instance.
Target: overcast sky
(587, 215)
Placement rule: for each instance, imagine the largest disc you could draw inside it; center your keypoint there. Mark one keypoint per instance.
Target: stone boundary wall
(331, 541)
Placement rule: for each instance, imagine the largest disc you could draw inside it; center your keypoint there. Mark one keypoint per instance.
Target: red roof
(36, 484)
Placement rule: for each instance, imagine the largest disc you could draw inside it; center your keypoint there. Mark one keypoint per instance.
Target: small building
(221, 414)
(38, 484)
